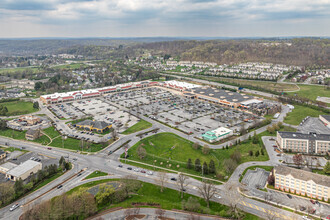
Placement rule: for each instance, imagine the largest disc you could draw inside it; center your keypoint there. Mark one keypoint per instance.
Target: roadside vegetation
(139, 126)
(96, 173)
(12, 191)
(94, 197)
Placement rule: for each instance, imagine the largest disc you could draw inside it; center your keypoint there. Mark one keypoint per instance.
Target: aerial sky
(172, 18)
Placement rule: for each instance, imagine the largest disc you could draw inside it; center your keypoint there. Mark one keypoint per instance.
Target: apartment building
(302, 182)
(303, 143)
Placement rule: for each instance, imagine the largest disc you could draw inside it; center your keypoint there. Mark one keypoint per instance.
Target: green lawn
(20, 69)
(51, 132)
(74, 144)
(171, 151)
(139, 126)
(299, 113)
(72, 66)
(311, 91)
(20, 135)
(169, 199)
(96, 173)
(19, 107)
(68, 143)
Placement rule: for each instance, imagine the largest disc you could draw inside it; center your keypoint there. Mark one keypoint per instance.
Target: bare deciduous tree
(207, 191)
(162, 177)
(182, 183)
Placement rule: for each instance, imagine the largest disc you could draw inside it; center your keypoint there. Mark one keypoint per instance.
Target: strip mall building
(91, 93)
(217, 96)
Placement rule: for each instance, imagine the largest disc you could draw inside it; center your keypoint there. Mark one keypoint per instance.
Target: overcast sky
(149, 18)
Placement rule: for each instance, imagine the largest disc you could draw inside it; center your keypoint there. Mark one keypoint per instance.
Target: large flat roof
(8, 165)
(297, 135)
(23, 168)
(222, 94)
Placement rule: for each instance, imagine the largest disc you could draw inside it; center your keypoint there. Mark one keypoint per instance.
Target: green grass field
(139, 126)
(20, 70)
(74, 144)
(169, 199)
(96, 173)
(171, 151)
(68, 143)
(299, 113)
(20, 135)
(51, 132)
(19, 107)
(311, 91)
(73, 66)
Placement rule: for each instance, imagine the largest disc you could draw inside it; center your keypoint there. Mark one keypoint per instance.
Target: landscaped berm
(170, 151)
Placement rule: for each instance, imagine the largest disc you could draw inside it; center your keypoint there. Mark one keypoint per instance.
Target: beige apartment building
(303, 143)
(302, 182)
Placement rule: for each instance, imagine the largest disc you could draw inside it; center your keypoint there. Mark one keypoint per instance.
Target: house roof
(303, 175)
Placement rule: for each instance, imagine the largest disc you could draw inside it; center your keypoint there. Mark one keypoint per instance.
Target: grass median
(139, 126)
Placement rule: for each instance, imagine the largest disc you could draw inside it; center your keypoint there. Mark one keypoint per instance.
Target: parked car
(150, 173)
(129, 168)
(302, 208)
(288, 195)
(14, 207)
(49, 148)
(173, 179)
(79, 174)
(59, 186)
(143, 171)
(312, 201)
(120, 165)
(217, 196)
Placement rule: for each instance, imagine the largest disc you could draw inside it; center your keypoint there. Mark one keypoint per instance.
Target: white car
(14, 207)
(150, 172)
(137, 170)
(217, 196)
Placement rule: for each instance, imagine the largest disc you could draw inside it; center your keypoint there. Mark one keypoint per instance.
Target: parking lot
(66, 111)
(190, 116)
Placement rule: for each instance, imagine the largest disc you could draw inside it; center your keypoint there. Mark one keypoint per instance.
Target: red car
(49, 148)
(328, 217)
(312, 201)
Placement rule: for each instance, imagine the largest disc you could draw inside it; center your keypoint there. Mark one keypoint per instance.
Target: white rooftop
(251, 101)
(182, 84)
(23, 168)
(221, 131)
(8, 165)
